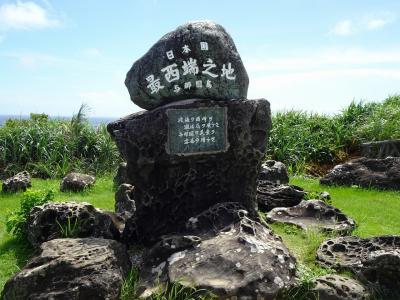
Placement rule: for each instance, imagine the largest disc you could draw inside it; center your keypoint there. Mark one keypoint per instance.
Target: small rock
(124, 202)
(17, 183)
(325, 196)
(121, 176)
(366, 172)
(271, 195)
(195, 53)
(73, 269)
(274, 171)
(51, 220)
(313, 214)
(336, 287)
(76, 182)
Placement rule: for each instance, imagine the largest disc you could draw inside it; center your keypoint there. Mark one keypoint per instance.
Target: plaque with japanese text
(197, 131)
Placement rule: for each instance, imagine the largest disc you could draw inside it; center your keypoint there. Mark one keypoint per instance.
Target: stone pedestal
(181, 162)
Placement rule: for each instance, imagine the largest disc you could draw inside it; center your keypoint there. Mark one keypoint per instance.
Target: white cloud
(25, 15)
(92, 52)
(376, 24)
(344, 27)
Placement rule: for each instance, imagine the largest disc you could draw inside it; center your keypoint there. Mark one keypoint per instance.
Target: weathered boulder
(381, 149)
(336, 287)
(72, 269)
(121, 176)
(17, 183)
(241, 259)
(175, 184)
(274, 171)
(313, 214)
(124, 202)
(70, 219)
(271, 195)
(197, 60)
(76, 182)
(366, 172)
(375, 259)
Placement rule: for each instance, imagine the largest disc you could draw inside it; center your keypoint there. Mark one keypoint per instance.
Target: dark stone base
(381, 149)
(170, 188)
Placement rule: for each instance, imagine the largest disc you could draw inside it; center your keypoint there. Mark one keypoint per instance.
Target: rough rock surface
(76, 182)
(336, 287)
(274, 171)
(19, 182)
(159, 77)
(124, 202)
(242, 258)
(313, 214)
(376, 259)
(271, 195)
(176, 187)
(381, 149)
(72, 269)
(46, 222)
(366, 172)
(121, 176)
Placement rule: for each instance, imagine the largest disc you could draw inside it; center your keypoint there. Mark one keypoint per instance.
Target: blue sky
(310, 55)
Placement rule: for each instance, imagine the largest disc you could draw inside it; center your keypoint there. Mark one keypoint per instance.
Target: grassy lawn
(375, 212)
(13, 254)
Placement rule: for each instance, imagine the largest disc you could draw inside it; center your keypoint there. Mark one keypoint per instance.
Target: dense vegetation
(305, 142)
(51, 148)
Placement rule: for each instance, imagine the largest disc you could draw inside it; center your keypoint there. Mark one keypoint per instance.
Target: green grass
(14, 253)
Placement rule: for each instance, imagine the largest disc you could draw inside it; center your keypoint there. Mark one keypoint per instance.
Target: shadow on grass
(21, 249)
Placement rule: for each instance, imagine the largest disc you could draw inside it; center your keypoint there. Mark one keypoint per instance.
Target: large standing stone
(76, 182)
(72, 269)
(366, 172)
(313, 214)
(381, 149)
(237, 258)
(374, 259)
(52, 220)
(17, 183)
(175, 176)
(270, 195)
(200, 54)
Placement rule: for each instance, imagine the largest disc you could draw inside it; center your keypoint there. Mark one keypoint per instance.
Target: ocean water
(95, 121)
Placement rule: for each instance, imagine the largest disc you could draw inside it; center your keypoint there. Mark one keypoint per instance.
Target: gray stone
(313, 214)
(76, 182)
(121, 176)
(274, 171)
(325, 196)
(152, 68)
(176, 187)
(48, 221)
(72, 269)
(366, 172)
(271, 195)
(376, 259)
(124, 202)
(242, 259)
(336, 287)
(381, 149)
(17, 183)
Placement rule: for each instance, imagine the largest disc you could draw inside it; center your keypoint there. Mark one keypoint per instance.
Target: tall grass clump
(304, 140)
(51, 148)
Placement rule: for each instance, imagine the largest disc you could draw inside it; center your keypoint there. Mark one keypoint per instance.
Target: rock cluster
(376, 259)
(72, 269)
(366, 172)
(313, 214)
(336, 287)
(17, 183)
(76, 182)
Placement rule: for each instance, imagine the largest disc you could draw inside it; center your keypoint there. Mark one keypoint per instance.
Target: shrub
(16, 221)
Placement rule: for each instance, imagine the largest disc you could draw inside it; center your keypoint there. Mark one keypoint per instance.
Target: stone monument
(200, 142)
